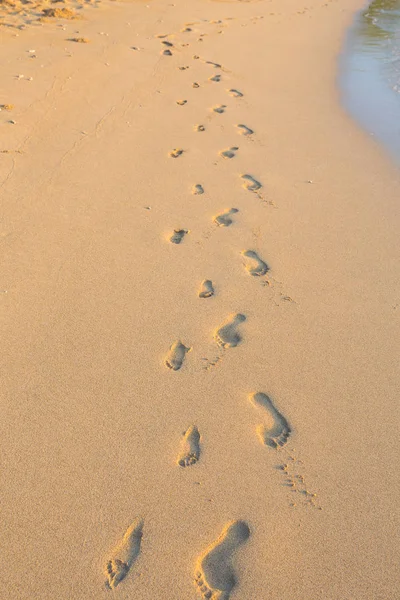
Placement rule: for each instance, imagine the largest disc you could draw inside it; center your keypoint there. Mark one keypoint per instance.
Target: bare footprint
(206, 289)
(244, 130)
(251, 184)
(276, 430)
(226, 336)
(176, 355)
(190, 447)
(254, 265)
(197, 189)
(235, 93)
(124, 555)
(176, 152)
(178, 235)
(224, 219)
(229, 153)
(214, 575)
(219, 109)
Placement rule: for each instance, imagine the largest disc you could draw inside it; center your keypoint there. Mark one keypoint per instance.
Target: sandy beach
(200, 302)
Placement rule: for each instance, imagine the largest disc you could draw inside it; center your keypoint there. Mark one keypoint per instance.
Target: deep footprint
(235, 93)
(197, 189)
(224, 219)
(214, 575)
(219, 109)
(175, 153)
(254, 265)
(178, 235)
(124, 555)
(276, 430)
(176, 355)
(227, 336)
(229, 153)
(251, 184)
(206, 289)
(244, 130)
(190, 447)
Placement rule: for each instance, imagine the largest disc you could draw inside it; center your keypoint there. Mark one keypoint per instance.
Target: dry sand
(277, 389)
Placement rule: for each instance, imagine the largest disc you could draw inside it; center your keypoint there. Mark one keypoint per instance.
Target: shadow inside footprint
(235, 93)
(224, 219)
(197, 189)
(176, 356)
(227, 336)
(124, 555)
(244, 130)
(206, 289)
(175, 153)
(250, 183)
(219, 109)
(276, 430)
(190, 447)
(216, 78)
(254, 265)
(178, 235)
(214, 575)
(229, 153)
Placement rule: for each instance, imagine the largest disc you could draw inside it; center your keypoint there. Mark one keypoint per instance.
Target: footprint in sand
(226, 336)
(199, 128)
(215, 78)
(254, 265)
(251, 184)
(195, 84)
(197, 189)
(167, 43)
(124, 555)
(276, 430)
(181, 102)
(229, 153)
(176, 152)
(219, 109)
(178, 235)
(224, 219)
(166, 52)
(206, 289)
(190, 447)
(244, 130)
(214, 575)
(176, 355)
(235, 93)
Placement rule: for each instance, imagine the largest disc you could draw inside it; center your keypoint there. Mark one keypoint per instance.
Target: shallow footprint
(226, 336)
(235, 93)
(214, 575)
(206, 289)
(276, 431)
(175, 152)
(219, 109)
(224, 219)
(254, 265)
(124, 555)
(199, 128)
(244, 130)
(216, 78)
(178, 236)
(190, 447)
(176, 355)
(229, 153)
(181, 102)
(251, 184)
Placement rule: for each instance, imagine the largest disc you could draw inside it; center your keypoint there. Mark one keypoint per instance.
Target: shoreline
(97, 298)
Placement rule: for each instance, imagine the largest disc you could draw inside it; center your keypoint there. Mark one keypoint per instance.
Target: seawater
(370, 72)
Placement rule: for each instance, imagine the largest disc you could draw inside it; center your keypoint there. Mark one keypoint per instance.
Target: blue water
(370, 72)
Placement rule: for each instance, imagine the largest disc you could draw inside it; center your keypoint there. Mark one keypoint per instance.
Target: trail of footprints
(214, 575)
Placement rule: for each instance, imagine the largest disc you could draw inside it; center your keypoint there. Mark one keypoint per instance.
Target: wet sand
(200, 310)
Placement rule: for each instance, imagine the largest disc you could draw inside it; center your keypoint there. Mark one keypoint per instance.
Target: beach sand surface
(200, 370)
